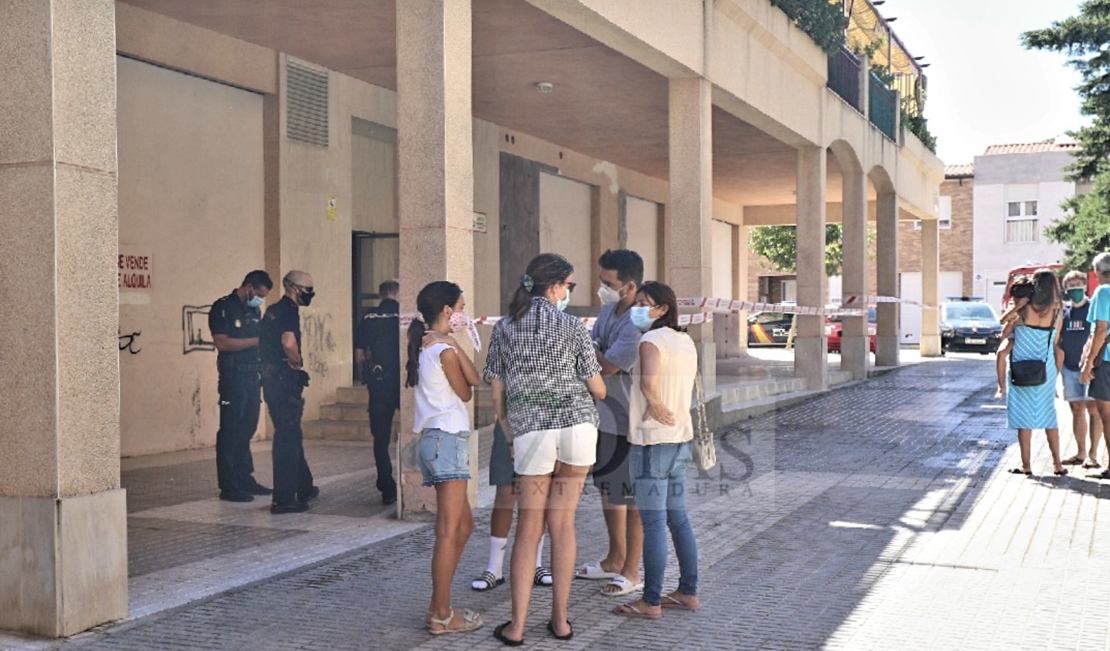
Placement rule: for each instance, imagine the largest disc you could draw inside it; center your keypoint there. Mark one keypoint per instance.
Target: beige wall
(565, 218)
(190, 197)
(643, 233)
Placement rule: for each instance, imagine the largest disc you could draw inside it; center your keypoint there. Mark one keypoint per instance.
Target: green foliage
(823, 21)
(919, 126)
(779, 245)
(1085, 228)
(1085, 38)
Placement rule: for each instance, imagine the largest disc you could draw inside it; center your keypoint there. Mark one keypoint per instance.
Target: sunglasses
(306, 290)
(571, 286)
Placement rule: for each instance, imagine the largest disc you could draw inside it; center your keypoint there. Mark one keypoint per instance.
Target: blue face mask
(641, 317)
(255, 301)
(564, 301)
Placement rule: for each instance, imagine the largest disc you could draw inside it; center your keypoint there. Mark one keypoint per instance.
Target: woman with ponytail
(545, 376)
(443, 377)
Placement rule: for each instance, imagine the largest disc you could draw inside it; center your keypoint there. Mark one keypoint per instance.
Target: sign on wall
(136, 277)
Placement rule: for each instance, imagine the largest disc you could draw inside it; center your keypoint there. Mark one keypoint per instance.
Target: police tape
(711, 305)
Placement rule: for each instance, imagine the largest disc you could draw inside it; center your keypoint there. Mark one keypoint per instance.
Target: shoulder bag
(704, 450)
(1032, 372)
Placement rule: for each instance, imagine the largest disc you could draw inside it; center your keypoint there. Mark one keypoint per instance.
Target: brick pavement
(878, 516)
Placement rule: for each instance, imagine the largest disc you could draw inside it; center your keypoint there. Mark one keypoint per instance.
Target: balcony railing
(883, 107)
(844, 77)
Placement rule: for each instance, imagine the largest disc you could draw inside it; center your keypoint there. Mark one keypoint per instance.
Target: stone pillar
(889, 336)
(855, 345)
(740, 250)
(930, 288)
(811, 354)
(435, 182)
(63, 515)
(689, 254)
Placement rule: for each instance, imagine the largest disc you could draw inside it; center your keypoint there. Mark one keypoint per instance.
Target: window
(1021, 221)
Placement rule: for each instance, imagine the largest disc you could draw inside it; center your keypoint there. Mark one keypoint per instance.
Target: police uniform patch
(238, 324)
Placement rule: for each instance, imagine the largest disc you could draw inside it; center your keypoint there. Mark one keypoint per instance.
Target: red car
(833, 328)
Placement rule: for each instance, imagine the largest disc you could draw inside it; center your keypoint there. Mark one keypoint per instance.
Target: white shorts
(535, 453)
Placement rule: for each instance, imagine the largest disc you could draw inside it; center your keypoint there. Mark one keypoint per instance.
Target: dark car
(769, 328)
(834, 328)
(969, 326)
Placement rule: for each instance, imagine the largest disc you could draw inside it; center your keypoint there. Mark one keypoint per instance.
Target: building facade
(180, 145)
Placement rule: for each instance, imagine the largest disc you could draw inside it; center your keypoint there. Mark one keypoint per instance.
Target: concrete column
(435, 183)
(689, 254)
(63, 515)
(855, 348)
(740, 283)
(930, 288)
(811, 356)
(889, 336)
(865, 86)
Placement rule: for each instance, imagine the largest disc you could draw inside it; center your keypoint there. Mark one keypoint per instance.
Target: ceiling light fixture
(545, 86)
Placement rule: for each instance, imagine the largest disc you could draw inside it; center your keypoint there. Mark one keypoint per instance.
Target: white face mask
(608, 295)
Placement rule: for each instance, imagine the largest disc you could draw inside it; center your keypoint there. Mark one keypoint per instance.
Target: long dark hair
(661, 294)
(1045, 290)
(429, 303)
(544, 271)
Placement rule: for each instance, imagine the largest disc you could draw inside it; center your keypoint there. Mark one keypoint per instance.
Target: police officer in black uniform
(234, 323)
(378, 349)
(283, 380)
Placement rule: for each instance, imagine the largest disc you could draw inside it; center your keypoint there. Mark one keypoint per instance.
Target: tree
(779, 245)
(823, 21)
(1085, 38)
(1085, 229)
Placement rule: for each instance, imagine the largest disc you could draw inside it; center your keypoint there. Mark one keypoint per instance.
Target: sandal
(628, 610)
(1021, 471)
(593, 572)
(669, 601)
(487, 581)
(623, 587)
(499, 633)
(1061, 472)
(555, 635)
(1073, 461)
(542, 577)
(471, 621)
(1091, 464)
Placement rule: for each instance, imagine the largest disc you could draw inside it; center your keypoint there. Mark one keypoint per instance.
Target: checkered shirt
(544, 359)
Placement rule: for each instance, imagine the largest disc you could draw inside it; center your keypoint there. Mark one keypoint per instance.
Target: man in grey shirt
(617, 341)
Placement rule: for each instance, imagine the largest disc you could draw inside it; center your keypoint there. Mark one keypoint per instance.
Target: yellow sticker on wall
(332, 211)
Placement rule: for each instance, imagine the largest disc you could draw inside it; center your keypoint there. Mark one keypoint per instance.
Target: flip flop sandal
(556, 635)
(593, 572)
(1073, 461)
(542, 577)
(471, 621)
(628, 610)
(1020, 471)
(1091, 464)
(487, 581)
(667, 601)
(623, 585)
(499, 633)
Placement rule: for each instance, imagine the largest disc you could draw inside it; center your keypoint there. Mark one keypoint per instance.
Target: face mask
(255, 302)
(458, 321)
(306, 296)
(641, 317)
(564, 301)
(608, 295)
(1077, 294)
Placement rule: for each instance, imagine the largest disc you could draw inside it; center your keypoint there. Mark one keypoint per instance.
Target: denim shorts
(444, 456)
(1073, 390)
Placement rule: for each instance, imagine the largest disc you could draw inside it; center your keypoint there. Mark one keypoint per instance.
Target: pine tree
(1085, 39)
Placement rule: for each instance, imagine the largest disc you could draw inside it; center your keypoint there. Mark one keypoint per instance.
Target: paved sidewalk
(878, 516)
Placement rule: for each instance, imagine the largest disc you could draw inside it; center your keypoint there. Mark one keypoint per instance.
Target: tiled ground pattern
(874, 517)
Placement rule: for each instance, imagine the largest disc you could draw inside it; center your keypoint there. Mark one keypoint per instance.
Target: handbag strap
(702, 429)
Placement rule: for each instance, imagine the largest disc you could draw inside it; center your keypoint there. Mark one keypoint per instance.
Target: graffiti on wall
(130, 341)
(317, 342)
(194, 329)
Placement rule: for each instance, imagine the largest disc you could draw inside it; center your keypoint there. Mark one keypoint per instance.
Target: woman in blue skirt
(1036, 332)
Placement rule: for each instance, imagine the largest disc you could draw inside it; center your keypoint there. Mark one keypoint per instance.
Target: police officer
(283, 380)
(378, 349)
(233, 321)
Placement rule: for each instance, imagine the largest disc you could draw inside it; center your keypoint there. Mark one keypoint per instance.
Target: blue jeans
(659, 475)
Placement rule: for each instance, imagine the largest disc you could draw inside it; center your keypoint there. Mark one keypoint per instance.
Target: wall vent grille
(307, 105)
